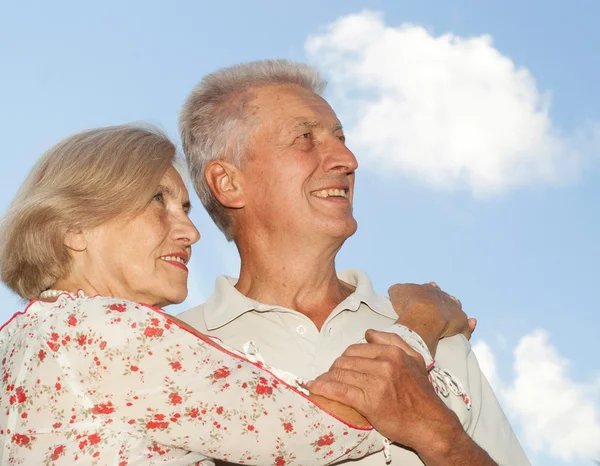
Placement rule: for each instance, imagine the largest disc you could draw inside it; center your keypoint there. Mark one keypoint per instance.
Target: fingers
(380, 351)
(472, 323)
(386, 339)
(382, 346)
(360, 371)
(457, 301)
(349, 395)
(468, 330)
(403, 293)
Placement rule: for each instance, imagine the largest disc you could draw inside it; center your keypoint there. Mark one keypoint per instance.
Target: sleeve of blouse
(146, 375)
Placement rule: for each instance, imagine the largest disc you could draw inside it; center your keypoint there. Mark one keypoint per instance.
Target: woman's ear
(75, 240)
(224, 181)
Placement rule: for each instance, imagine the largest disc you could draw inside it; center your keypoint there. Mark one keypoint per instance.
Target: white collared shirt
(289, 340)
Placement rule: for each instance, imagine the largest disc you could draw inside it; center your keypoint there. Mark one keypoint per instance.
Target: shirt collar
(226, 303)
(364, 294)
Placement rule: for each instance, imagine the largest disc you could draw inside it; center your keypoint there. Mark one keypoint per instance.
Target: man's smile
(325, 193)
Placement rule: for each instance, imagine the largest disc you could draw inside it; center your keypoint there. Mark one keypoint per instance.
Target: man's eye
(305, 136)
(342, 138)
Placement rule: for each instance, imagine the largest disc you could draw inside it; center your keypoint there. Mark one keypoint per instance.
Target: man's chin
(342, 230)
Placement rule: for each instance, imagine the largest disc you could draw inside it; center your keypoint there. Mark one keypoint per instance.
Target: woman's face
(144, 259)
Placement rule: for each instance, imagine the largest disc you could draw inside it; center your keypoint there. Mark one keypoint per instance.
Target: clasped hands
(386, 381)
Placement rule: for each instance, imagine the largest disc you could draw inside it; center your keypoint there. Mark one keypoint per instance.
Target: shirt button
(301, 329)
(329, 330)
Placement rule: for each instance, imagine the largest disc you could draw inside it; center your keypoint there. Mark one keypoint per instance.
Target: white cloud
(557, 415)
(448, 111)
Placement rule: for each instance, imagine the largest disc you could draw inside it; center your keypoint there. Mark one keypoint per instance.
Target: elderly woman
(93, 370)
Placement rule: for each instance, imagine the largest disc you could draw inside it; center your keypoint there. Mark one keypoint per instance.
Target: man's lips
(331, 193)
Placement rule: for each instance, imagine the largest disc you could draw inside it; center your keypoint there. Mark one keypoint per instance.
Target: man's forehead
(286, 97)
(292, 106)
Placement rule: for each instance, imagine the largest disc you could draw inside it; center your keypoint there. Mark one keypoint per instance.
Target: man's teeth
(331, 193)
(173, 259)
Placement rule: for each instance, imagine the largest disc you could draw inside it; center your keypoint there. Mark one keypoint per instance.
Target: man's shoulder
(195, 317)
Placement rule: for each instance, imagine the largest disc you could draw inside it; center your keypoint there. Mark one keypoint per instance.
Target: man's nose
(340, 158)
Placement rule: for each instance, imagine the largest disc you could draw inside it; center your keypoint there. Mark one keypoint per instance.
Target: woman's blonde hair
(82, 182)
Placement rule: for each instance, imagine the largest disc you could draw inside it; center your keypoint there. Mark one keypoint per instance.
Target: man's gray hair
(211, 121)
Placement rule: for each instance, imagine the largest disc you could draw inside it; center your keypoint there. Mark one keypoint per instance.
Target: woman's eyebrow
(164, 189)
(167, 190)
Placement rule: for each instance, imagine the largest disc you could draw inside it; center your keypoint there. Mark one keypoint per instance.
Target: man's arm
(386, 382)
(430, 312)
(488, 425)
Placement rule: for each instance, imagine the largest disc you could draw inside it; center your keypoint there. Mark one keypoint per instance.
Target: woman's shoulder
(76, 320)
(72, 310)
(105, 310)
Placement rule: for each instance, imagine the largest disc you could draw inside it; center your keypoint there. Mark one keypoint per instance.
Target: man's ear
(224, 180)
(75, 240)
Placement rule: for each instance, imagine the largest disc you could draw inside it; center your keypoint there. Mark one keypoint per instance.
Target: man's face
(299, 174)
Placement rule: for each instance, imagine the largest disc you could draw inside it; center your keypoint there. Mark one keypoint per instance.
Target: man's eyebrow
(310, 124)
(307, 124)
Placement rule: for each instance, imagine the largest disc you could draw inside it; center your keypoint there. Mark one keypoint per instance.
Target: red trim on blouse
(209, 341)
(19, 313)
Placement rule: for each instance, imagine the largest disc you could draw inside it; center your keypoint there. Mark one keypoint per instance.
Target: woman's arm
(170, 384)
(345, 413)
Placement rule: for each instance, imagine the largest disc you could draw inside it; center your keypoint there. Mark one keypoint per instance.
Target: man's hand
(430, 312)
(386, 381)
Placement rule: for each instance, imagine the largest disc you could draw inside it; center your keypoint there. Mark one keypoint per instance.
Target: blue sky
(477, 128)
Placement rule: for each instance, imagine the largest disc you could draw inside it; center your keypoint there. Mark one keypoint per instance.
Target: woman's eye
(158, 197)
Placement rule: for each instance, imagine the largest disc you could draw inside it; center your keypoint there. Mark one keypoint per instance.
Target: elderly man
(268, 160)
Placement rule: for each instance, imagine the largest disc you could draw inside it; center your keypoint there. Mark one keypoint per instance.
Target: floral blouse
(99, 381)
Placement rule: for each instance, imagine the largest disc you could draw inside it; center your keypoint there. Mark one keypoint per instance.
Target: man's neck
(295, 277)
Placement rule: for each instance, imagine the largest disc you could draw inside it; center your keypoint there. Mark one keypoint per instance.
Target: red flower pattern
(119, 307)
(222, 373)
(103, 408)
(20, 439)
(155, 398)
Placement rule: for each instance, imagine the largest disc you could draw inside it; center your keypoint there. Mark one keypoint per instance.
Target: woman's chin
(175, 298)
